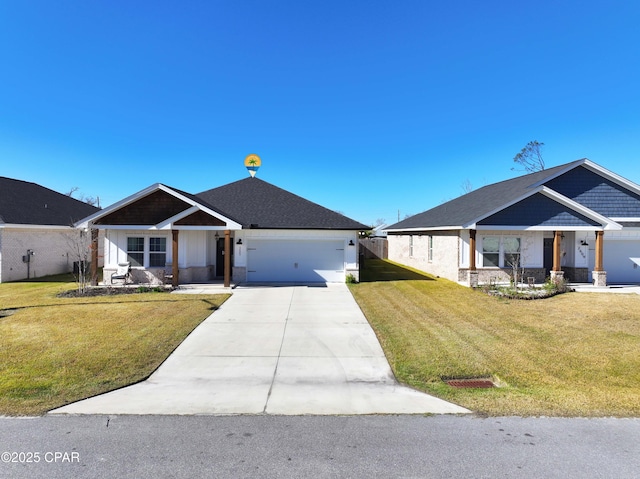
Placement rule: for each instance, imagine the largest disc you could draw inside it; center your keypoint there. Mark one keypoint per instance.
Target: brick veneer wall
(445, 252)
(502, 275)
(51, 253)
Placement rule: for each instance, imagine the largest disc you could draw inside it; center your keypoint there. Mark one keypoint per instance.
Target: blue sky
(375, 109)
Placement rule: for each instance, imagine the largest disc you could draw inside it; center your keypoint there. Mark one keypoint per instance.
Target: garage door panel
(617, 262)
(295, 261)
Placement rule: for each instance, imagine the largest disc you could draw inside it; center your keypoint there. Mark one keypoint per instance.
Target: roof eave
(32, 226)
(423, 228)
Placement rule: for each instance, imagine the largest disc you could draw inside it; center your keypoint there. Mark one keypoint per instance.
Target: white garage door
(617, 262)
(307, 261)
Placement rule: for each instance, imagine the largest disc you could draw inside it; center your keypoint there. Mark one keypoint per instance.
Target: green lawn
(58, 350)
(576, 354)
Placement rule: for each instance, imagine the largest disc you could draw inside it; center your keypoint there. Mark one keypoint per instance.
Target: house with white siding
(245, 231)
(578, 221)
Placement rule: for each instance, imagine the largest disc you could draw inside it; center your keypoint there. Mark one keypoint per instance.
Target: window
(500, 252)
(157, 252)
(430, 249)
(411, 246)
(135, 251)
(139, 247)
(491, 251)
(511, 249)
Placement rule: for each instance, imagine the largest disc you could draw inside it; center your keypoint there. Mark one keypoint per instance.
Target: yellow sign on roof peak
(252, 162)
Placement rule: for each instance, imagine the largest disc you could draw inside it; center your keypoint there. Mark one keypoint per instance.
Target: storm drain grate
(471, 383)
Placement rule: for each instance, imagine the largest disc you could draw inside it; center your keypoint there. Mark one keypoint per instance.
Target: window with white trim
(501, 251)
(411, 246)
(135, 250)
(511, 252)
(148, 252)
(430, 248)
(157, 252)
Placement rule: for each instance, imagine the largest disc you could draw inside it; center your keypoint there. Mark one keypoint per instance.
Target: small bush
(548, 289)
(351, 279)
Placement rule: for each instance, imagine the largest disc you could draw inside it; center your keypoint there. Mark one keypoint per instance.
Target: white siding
(305, 238)
(619, 246)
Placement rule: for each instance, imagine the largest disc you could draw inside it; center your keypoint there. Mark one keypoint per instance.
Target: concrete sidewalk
(612, 288)
(286, 350)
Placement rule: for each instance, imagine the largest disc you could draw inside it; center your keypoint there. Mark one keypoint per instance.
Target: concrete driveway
(286, 350)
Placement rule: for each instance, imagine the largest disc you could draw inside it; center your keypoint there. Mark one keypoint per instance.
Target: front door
(220, 257)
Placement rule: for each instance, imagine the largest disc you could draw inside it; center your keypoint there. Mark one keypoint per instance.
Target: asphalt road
(318, 447)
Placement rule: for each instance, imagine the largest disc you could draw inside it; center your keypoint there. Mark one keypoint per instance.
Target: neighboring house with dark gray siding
(579, 221)
(35, 223)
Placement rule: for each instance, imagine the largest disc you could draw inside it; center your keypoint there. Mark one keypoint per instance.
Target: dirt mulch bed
(112, 291)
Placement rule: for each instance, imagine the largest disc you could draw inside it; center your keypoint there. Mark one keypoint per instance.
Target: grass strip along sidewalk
(575, 354)
(55, 350)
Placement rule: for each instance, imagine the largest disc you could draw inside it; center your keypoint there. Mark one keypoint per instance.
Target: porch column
(472, 250)
(94, 257)
(227, 258)
(174, 261)
(556, 272)
(473, 272)
(599, 251)
(599, 274)
(557, 242)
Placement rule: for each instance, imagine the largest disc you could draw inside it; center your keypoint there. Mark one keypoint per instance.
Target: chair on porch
(167, 274)
(123, 272)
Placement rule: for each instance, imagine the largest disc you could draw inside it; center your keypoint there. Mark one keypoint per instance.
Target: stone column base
(557, 276)
(473, 279)
(599, 278)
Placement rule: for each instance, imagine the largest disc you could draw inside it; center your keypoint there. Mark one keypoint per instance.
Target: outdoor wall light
(584, 243)
(351, 243)
(239, 241)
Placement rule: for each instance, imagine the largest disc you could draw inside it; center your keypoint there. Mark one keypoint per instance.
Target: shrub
(351, 279)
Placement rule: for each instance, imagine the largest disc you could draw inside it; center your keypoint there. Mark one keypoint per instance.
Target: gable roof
(247, 203)
(157, 207)
(467, 210)
(26, 203)
(257, 204)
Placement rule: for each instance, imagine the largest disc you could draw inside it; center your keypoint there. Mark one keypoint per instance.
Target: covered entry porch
(495, 255)
(164, 236)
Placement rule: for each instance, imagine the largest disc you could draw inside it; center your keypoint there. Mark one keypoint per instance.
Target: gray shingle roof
(25, 203)
(478, 203)
(254, 203)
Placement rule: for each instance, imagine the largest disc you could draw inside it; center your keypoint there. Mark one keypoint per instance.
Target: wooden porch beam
(94, 257)
(227, 258)
(557, 243)
(599, 266)
(175, 281)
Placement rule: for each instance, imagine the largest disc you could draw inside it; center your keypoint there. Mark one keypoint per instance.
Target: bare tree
(530, 157)
(80, 247)
(90, 200)
(466, 186)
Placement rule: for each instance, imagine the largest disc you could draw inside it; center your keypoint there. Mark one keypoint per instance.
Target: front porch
(166, 237)
(563, 256)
